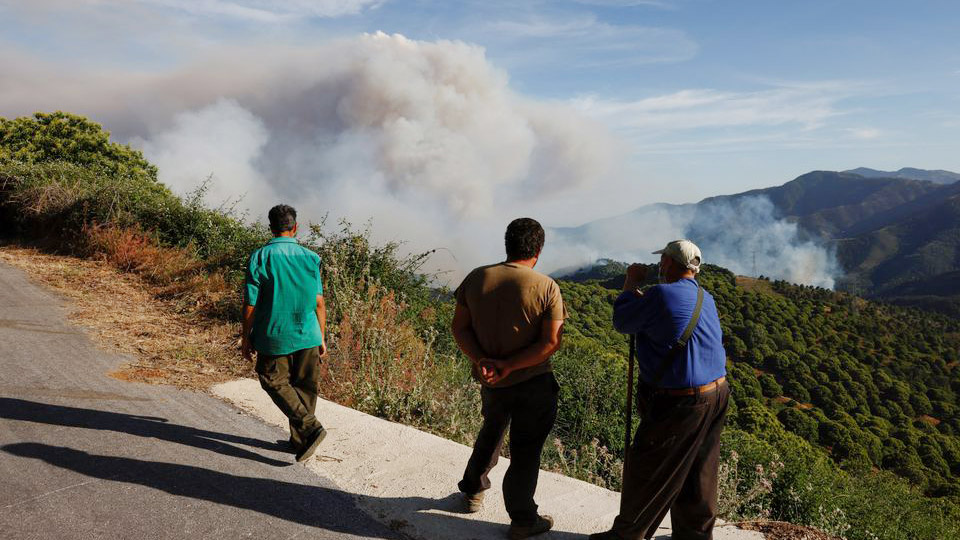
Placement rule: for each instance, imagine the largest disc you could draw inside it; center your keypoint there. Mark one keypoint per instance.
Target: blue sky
(706, 97)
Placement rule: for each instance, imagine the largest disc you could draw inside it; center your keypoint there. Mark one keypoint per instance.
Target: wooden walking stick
(629, 428)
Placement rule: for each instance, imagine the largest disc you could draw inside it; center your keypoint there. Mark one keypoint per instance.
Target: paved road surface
(84, 456)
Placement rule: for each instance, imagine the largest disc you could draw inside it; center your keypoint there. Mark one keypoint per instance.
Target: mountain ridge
(940, 176)
(886, 232)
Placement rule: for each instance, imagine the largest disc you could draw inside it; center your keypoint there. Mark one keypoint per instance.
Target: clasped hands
(493, 370)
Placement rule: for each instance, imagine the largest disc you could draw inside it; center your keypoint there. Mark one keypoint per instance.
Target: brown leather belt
(703, 389)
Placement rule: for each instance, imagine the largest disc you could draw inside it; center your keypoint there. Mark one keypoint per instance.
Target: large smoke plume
(743, 234)
(424, 139)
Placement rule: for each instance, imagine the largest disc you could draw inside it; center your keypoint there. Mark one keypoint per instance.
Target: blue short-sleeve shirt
(659, 315)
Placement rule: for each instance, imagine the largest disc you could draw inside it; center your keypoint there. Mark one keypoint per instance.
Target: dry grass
(378, 364)
(176, 273)
(132, 250)
(128, 313)
(761, 286)
(778, 530)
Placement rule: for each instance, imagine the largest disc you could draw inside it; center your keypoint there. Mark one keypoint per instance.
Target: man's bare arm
(463, 334)
(551, 334)
(322, 319)
(245, 348)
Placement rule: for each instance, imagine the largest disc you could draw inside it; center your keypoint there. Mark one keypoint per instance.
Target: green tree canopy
(60, 136)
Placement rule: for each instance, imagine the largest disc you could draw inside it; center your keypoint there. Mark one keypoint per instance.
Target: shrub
(590, 420)
(56, 200)
(132, 250)
(65, 137)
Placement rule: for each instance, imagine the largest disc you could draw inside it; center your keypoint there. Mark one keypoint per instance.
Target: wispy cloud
(694, 120)
(866, 133)
(705, 108)
(269, 11)
(264, 11)
(663, 4)
(585, 40)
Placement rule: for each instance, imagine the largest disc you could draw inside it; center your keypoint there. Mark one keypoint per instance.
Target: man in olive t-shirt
(508, 321)
(284, 320)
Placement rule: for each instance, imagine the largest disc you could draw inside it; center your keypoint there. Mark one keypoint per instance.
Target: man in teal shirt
(285, 320)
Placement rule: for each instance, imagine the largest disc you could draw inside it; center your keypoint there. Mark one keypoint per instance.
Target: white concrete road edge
(407, 478)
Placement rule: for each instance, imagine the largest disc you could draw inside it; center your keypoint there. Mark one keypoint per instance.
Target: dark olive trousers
(529, 409)
(291, 382)
(672, 466)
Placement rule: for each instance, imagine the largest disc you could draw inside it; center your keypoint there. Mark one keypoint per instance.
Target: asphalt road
(85, 456)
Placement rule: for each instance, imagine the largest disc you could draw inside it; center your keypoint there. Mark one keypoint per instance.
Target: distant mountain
(834, 204)
(896, 235)
(909, 173)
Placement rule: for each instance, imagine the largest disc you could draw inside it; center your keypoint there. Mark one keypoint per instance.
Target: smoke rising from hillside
(733, 233)
(425, 139)
(736, 233)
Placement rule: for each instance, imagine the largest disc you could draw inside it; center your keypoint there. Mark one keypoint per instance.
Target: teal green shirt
(283, 281)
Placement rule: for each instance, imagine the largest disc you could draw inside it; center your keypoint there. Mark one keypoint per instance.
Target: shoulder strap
(681, 342)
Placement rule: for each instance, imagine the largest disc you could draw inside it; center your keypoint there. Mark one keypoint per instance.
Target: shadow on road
(304, 504)
(141, 426)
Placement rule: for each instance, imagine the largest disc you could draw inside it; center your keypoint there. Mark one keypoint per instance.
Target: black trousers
(291, 381)
(672, 466)
(529, 409)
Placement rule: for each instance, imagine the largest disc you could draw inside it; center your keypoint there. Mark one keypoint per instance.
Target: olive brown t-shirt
(508, 303)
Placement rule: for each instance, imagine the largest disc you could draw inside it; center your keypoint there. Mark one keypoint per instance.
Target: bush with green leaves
(60, 171)
(70, 138)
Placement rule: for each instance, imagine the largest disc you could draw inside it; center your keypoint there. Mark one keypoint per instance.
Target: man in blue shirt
(682, 396)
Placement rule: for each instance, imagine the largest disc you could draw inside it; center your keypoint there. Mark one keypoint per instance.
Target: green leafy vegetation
(59, 172)
(832, 397)
(896, 237)
(844, 412)
(60, 136)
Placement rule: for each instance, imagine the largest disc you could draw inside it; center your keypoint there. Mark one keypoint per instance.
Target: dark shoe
(474, 501)
(311, 445)
(542, 525)
(606, 535)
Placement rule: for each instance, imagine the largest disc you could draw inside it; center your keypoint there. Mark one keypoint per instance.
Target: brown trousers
(672, 466)
(291, 382)
(529, 409)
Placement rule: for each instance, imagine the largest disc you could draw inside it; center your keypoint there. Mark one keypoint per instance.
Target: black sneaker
(542, 525)
(310, 446)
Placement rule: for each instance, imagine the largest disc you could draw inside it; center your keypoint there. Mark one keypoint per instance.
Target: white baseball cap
(684, 252)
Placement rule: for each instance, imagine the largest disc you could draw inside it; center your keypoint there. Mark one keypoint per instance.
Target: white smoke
(224, 134)
(745, 236)
(742, 234)
(424, 139)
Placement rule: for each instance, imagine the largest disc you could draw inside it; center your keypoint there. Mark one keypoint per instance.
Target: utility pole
(855, 292)
(755, 263)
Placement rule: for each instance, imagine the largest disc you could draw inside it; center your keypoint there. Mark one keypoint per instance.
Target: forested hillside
(896, 238)
(872, 385)
(844, 412)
